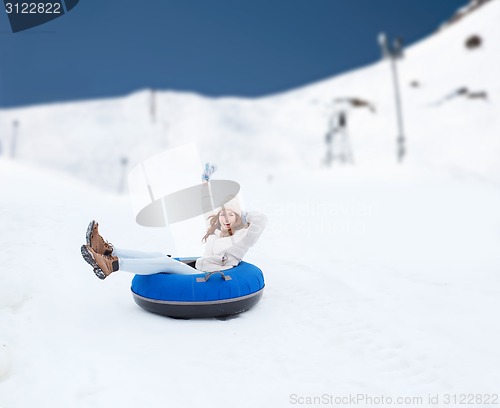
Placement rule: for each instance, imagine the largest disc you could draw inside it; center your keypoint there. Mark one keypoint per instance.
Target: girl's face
(227, 219)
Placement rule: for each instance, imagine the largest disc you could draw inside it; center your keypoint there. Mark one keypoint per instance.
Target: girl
(228, 238)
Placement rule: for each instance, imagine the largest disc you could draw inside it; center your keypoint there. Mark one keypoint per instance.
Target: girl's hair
(214, 224)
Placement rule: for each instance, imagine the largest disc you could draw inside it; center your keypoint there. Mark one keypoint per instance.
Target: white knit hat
(233, 205)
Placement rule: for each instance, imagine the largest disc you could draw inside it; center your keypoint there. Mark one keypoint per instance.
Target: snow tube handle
(209, 274)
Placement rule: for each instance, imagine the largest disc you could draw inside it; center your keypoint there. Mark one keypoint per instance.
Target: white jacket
(222, 253)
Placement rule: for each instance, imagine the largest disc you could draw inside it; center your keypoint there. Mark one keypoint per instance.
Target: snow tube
(215, 294)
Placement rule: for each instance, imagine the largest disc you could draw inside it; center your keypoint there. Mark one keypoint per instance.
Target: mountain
(450, 106)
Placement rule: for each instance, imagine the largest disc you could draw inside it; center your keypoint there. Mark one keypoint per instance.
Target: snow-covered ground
(381, 279)
(384, 287)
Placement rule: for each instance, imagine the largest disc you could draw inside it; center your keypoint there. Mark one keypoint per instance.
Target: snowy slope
(380, 279)
(384, 287)
(89, 139)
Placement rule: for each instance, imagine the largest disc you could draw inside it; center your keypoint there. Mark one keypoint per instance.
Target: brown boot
(96, 242)
(103, 265)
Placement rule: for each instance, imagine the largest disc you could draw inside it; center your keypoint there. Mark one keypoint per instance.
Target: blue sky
(214, 47)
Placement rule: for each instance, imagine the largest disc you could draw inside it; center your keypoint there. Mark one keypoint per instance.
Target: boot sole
(89, 232)
(88, 236)
(91, 261)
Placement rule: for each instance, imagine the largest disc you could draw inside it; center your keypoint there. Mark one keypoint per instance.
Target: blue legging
(149, 263)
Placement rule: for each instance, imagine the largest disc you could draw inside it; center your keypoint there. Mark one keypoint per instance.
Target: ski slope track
(381, 278)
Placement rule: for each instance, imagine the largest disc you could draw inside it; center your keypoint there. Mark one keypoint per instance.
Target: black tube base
(194, 310)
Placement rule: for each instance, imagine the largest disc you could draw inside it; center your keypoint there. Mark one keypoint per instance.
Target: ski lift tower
(337, 136)
(13, 143)
(393, 54)
(152, 105)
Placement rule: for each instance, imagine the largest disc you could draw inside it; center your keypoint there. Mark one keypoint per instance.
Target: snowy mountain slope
(380, 287)
(90, 139)
(380, 279)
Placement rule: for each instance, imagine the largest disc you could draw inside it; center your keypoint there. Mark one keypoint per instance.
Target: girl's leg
(150, 266)
(132, 253)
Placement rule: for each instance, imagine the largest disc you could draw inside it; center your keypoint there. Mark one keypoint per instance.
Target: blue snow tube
(214, 294)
